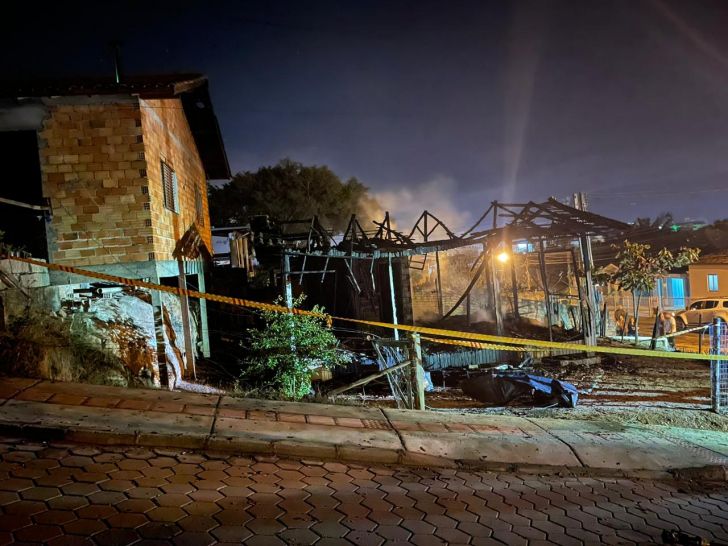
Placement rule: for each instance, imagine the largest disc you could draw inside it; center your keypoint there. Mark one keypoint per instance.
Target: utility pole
(590, 337)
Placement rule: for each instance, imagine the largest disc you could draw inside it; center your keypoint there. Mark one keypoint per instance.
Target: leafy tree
(291, 191)
(664, 220)
(639, 270)
(288, 348)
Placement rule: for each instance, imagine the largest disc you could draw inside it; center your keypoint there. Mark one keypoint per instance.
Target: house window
(169, 186)
(199, 207)
(712, 283)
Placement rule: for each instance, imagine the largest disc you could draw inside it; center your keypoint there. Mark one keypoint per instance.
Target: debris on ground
(520, 389)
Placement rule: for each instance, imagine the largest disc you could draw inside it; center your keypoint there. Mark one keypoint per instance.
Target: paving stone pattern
(63, 494)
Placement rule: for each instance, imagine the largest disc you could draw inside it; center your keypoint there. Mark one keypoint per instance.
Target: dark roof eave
(192, 89)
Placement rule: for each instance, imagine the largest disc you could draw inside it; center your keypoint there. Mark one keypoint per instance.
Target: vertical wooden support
(467, 307)
(514, 282)
(496, 293)
(496, 280)
(586, 254)
(185, 305)
(439, 283)
(583, 305)
(547, 295)
(417, 374)
(394, 299)
(203, 314)
(159, 338)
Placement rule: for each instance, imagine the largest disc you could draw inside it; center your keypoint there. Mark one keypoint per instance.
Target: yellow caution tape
(477, 345)
(526, 344)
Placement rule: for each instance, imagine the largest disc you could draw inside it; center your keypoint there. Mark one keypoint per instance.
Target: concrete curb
(352, 454)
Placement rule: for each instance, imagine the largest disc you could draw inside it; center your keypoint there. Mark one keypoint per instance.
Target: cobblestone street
(63, 494)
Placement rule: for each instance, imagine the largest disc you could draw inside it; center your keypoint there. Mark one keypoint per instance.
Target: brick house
(123, 168)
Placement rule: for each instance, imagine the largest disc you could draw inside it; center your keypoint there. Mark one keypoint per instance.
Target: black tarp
(502, 389)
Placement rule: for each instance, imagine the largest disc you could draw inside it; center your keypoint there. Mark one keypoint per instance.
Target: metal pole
(715, 375)
(700, 333)
(394, 300)
(287, 288)
(417, 373)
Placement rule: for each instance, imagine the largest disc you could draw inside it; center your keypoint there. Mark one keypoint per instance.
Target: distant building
(709, 276)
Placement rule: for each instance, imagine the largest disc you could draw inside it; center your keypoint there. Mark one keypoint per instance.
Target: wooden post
(467, 307)
(417, 373)
(160, 343)
(547, 296)
(577, 277)
(496, 293)
(184, 303)
(496, 281)
(585, 244)
(205, 331)
(514, 282)
(586, 257)
(439, 283)
(394, 299)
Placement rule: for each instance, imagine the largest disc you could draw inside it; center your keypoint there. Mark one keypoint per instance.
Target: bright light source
(503, 257)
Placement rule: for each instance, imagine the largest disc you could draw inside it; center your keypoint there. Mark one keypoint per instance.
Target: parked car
(702, 311)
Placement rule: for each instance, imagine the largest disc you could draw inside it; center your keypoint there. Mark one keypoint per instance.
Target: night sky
(438, 105)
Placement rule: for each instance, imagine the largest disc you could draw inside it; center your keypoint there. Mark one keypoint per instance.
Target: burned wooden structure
(365, 273)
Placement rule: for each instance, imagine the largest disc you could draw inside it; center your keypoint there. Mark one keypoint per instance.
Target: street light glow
(503, 257)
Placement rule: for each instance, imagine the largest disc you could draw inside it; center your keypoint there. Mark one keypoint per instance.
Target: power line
(654, 194)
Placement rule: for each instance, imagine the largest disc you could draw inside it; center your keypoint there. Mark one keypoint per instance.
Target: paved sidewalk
(156, 418)
(65, 494)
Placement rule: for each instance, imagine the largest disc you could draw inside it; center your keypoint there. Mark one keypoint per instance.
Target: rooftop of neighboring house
(191, 89)
(716, 258)
(711, 240)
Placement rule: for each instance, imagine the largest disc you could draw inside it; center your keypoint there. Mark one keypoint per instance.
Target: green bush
(285, 352)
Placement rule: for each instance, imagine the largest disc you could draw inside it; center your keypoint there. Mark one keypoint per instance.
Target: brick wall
(90, 168)
(100, 165)
(167, 137)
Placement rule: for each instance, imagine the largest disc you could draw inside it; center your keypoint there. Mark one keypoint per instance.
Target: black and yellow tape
(468, 339)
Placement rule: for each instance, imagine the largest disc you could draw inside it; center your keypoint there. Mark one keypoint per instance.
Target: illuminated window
(712, 283)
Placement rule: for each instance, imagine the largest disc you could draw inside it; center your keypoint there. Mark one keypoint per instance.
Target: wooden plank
(369, 378)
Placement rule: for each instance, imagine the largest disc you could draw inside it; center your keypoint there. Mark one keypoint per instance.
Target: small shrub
(286, 350)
